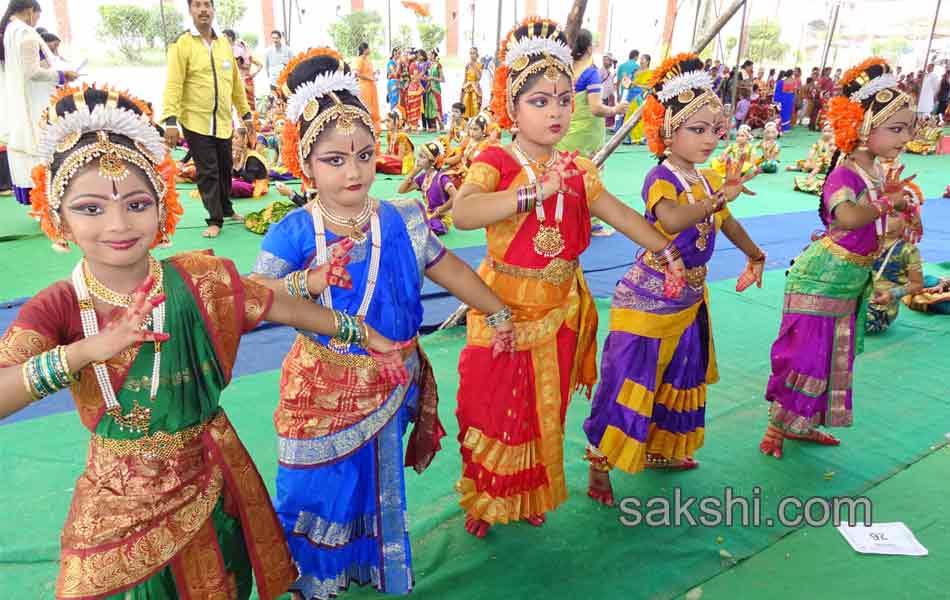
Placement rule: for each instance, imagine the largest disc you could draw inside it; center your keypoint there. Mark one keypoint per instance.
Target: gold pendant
(338, 347)
(703, 240)
(137, 420)
(356, 234)
(548, 241)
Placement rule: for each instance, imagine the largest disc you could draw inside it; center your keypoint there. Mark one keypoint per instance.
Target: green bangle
(36, 378)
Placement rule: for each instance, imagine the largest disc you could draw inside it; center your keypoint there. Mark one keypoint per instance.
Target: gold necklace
(355, 224)
(541, 165)
(114, 298)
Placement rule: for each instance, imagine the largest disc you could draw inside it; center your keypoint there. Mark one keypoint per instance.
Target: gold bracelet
(72, 375)
(25, 372)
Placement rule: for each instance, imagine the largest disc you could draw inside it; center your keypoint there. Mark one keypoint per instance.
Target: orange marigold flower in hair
(173, 209)
(668, 65)
(845, 117)
(303, 57)
(499, 97)
(40, 202)
(856, 71)
(290, 149)
(652, 117)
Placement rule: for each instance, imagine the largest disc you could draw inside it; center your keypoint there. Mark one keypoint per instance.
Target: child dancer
(457, 166)
(436, 187)
(536, 205)
(399, 158)
(738, 152)
(659, 357)
(828, 286)
(169, 504)
(249, 169)
(817, 163)
(341, 495)
(769, 149)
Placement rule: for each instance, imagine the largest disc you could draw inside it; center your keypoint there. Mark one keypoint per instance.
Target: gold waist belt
(846, 255)
(354, 361)
(557, 272)
(160, 445)
(695, 277)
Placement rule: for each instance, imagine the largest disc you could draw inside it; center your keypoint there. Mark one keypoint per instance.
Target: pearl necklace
(705, 226)
(374, 257)
(548, 241)
(138, 418)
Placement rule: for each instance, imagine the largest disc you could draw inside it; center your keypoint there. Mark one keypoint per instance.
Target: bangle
(301, 279)
(290, 284)
(47, 373)
(499, 318)
(898, 292)
(669, 254)
(527, 198)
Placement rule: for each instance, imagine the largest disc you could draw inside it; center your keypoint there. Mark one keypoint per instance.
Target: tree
(356, 27)
(168, 31)
(126, 26)
(251, 39)
(765, 43)
(731, 42)
(430, 34)
(403, 37)
(229, 13)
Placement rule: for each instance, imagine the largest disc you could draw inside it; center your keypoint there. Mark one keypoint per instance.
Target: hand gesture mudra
(334, 272)
(893, 187)
(128, 328)
(503, 340)
(555, 179)
(735, 180)
(388, 357)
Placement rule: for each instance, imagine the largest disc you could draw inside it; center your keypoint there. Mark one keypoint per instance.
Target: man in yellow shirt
(202, 89)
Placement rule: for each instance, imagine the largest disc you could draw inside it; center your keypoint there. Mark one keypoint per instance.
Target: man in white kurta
(24, 93)
(928, 92)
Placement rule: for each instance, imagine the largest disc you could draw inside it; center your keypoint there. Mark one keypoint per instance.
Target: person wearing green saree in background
(586, 133)
(432, 104)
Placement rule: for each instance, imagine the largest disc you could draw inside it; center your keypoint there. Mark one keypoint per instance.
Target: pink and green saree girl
(169, 504)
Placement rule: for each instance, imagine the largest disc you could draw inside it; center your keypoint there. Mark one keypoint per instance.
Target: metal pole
(161, 9)
(699, 6)
(698, 47)
(610, 25)
(931, 40)
(742, 40)
(473, 23)
(389, 25)
(831, 35)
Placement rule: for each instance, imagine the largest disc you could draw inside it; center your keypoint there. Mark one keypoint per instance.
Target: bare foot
(771, 444)
(212, 231)
(236, 217)
(598, 486)
(537, 520)
(476, 527)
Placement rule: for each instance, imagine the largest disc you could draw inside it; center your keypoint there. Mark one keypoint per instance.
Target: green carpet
(623, 176)
(583, 551)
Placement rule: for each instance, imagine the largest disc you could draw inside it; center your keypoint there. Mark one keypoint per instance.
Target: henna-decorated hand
(735, 180)
(334, 272)
(555, 179)
(388, 357)
(674, 279)
(751, 274)
(893, 187)
(503, 340)
(128, 328)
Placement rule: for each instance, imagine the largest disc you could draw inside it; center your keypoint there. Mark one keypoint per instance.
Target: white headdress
(63, 132)
(674, 86)
(317, 88)
(528, 46)
(881, 82)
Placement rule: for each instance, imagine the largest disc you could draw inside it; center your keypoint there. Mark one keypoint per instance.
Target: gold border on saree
(556, 272)
(846, 255)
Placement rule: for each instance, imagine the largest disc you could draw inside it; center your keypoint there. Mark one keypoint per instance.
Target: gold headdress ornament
(875, 100)
(516, 65)
(681, 92)
(62, 135)
(303, 108)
